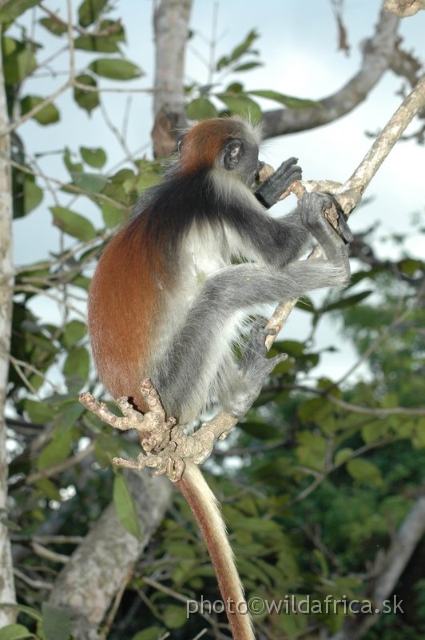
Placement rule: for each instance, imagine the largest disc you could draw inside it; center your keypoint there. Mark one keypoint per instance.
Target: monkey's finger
(343, 228)
(336, 218)
(271, 190)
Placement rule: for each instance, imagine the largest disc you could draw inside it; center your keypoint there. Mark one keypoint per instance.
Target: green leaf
(11, 9)
(364, 471)
(418, 439)
(125, 507)
(93, 43)
(410, 266)
(27, 195)
(201, 109)
(148, 634)
(247, 66)
(73, 167)
(18, 61)
(53, 25)
(180, 549)
(39, 412)
(244, 46)
(15, 632)
(56, 622)
(68, 415)
(288, 101)
(234, 87)
(150, 174)
(343, 455)
(87, 100)
(374, 430)
(94, 157)
(115, 69)
(112, 216)
(22, 608)
(33, 194)
(314, 409)
(256, 525)
(324, 569)
(73, 223)
(90, 182)
(77, 363)
(55, 451)
(261, 431)
(349, 301)
(90, 10)
(47, 115)
(174, 616)
(75, 331)
(107, 43)
(242, 105)
(48, 489)
(311, 451)
(81, 281)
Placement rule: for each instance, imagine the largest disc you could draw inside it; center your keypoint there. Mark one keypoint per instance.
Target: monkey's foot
(255, 369)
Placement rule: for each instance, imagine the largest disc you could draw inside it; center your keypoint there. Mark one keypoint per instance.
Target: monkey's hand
(255, 369)
(270, 191)
(317, 209)
(336, 218)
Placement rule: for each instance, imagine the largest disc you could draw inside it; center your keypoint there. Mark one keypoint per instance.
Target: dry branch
(349, 194)
(404, 8)
(7, 589)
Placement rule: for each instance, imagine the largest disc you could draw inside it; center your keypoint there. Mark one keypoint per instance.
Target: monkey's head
(229, 144)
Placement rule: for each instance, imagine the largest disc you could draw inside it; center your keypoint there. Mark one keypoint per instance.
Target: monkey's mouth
(260, 166)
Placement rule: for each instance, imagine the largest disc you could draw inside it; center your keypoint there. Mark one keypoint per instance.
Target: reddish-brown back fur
(127, 291)
(124, 310)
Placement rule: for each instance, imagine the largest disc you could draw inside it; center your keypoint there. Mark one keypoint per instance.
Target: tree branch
(404, 8)
(171, 20)
(7, 588)
(377, 55)
(349, 194)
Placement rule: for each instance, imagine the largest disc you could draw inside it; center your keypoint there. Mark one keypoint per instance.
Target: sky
(298, 46)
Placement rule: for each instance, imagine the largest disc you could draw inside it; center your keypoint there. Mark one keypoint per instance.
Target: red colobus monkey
(167, 301)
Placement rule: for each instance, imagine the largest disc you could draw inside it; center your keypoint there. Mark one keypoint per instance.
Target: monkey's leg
(249, 380)
(188, 377)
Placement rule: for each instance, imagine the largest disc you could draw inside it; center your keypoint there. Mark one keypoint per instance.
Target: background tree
(321, 486)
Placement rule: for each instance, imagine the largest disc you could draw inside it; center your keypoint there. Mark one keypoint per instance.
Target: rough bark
(7, 589)
(377, 55)
(87, 584)
(404, 8)
(171, 26)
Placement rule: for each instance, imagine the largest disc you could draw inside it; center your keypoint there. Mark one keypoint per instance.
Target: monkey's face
(241, 157)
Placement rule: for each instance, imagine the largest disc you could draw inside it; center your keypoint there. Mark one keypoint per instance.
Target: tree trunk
(7, 587)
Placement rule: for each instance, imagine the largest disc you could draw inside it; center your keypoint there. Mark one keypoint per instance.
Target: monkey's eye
(232, 154)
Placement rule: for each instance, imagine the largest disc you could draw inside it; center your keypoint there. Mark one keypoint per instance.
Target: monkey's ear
(180, 142)
(232, 154)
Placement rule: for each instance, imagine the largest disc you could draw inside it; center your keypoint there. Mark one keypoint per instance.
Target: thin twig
(60, 466)
(349, 194)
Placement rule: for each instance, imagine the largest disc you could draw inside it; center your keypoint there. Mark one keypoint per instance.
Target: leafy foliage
(313, 488)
